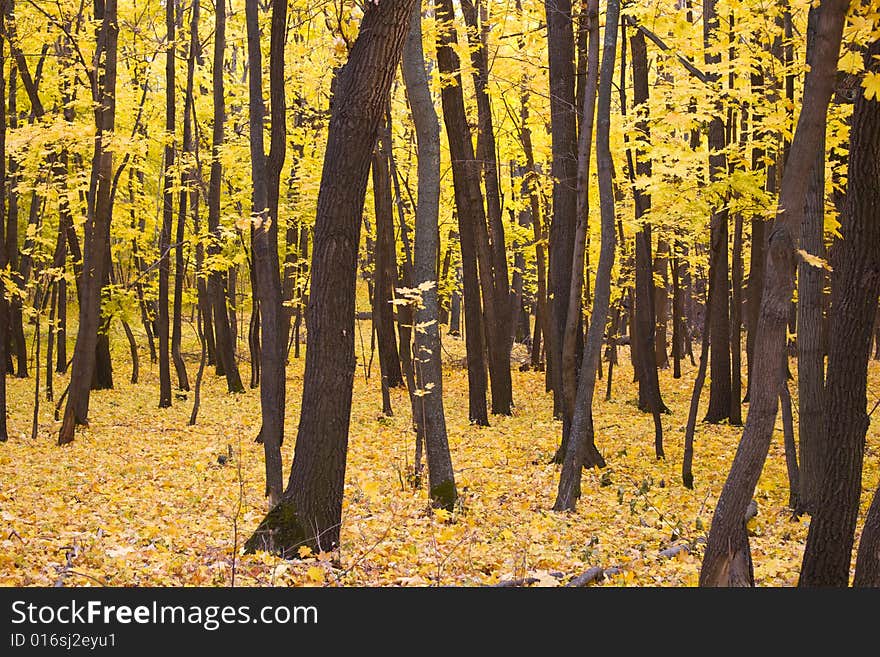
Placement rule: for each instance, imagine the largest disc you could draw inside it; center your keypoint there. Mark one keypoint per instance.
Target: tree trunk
(727, 558)
(499, 312)
(428, 398)
(661, 302)
(719, 326)
(4, 304)
(855, 286)
(311, 508)
(868, 558)
(97, 232)
(563, 130)
(225, 340)
(581, 441)
(167, 211)
(385, 276)
(469, 205)
(736, 323)
(811, 357)
(266, 172)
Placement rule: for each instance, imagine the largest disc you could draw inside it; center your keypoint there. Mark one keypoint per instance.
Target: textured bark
(311, 508)
(163, 320)
(385, 274)
(581, 441)
(97, 232)
(719, 326)
(811, 357)
(727, 557)
(868, 558)
(428, 409)
(266, 171)
(573, 329)
(4, 305)
(226, 363)
(498, 319)
(736, 323)
(563, 130)
(855, 286)
(469, 206)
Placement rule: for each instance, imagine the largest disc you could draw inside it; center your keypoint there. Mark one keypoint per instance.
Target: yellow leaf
(315, 574)
(304, 551)
(871, 83)
(814, 260)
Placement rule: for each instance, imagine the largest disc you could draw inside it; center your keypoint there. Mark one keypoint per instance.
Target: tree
(727, 560)
(581, 436)
(428, 411)
(264, 218)
(103, 88)
(4, 304)
(855, 286)
(309, 512)
(226, 363)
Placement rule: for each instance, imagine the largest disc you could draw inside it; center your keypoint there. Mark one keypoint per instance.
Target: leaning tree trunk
(310, 511)
(727, 560)
(428, 403)
(469, 206)
(868, 559)
(855, 286)
(581, 438)
(266, 179)
(98, 232)
(224, 337)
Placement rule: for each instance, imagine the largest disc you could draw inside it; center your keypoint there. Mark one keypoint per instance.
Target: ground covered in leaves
(142, 499)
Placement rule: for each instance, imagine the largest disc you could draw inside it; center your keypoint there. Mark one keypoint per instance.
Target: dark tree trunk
(649, 384)
(498, 313)
(678, 328)
(385, 275)
(868, 558)
(581, 446)
(97, 232)
(226, 363)
(469, 205)
(428, 408)
(736, 323)
(811, 356)
(266, 172)
(719, 325)
(163, 320)
(311, 508)
(563, 130)
(661, 303)
(4, 304)
(855, 286)
(727, 560)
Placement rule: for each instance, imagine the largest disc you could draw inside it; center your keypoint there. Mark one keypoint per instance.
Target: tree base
(280, 533)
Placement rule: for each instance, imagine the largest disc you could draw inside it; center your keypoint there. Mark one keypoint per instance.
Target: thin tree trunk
(97, 233)
(581, 441)
(217, 287)
(469, 205)
(428, 398)
(266, 180)
(4, 260)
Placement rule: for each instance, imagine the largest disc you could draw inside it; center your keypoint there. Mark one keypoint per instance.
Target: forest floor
(142, 499)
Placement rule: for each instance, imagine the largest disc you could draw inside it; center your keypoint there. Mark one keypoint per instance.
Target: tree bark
(727, 558)
(217, 276)
(266, 180)
(4, 304)
(469, 206)
(855, 286)
(311, 508)
(97, 230)
(428, 398)
(868, 558)
(581, 441)
(811, 357)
